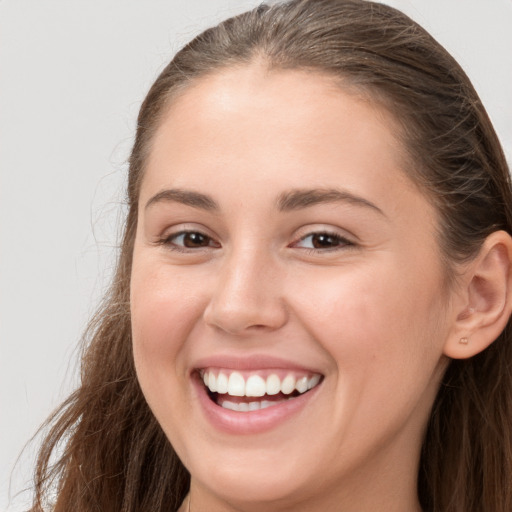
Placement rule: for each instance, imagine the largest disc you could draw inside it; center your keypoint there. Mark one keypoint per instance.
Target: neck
(200, 499)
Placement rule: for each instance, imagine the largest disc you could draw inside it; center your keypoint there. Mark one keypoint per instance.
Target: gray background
(72, 76)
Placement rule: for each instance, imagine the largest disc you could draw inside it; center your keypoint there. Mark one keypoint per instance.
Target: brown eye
(190, 240)
(195, 240)
(323, 241)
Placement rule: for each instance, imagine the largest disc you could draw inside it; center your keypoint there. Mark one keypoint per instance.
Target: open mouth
(254, 390)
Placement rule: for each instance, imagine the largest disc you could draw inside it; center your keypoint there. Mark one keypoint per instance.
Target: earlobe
(486, 300)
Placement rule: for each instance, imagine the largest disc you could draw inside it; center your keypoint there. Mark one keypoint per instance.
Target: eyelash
(340, 242)
(168, 241)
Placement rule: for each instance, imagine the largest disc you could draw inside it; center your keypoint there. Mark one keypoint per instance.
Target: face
(283, 257)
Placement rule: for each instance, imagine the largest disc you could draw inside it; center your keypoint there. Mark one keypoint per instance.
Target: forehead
(234, 94)
(244, 116)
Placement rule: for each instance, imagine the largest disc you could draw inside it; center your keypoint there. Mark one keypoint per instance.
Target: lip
(254, 362)
(251, 422)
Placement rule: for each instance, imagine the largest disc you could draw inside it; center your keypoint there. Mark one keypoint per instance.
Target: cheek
(163, 303)
(385, 344)
(165, 309)
(379, 316)
(163, 315)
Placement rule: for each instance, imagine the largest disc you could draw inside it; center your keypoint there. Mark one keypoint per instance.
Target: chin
(253, 487)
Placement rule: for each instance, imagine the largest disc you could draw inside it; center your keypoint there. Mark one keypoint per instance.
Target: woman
(311, 308)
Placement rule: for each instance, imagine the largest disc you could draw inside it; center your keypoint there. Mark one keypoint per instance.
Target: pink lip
(252, 422)
(254, 362)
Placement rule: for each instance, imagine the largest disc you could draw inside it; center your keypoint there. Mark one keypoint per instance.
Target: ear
(484, 305)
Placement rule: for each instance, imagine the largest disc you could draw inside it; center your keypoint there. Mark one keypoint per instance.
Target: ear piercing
(463, 341)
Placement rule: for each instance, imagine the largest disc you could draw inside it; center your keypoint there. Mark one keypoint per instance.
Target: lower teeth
(250, 406)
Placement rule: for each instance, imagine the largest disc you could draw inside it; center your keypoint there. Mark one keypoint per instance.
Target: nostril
(243, 296)
(236, 317)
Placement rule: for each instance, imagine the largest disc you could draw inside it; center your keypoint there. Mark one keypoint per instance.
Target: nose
(247, 295)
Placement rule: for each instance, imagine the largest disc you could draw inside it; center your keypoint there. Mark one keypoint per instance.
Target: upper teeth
(235, 384)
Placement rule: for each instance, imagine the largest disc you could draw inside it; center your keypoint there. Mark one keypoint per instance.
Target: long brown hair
(112, 454)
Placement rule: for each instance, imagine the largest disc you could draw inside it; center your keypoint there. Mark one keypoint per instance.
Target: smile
(255, 390)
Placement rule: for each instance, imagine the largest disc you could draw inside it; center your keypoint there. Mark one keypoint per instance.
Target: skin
(370, 313)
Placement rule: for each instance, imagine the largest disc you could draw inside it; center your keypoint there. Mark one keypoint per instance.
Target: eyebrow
(187, 197)
(298, 199)
(288, 201)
